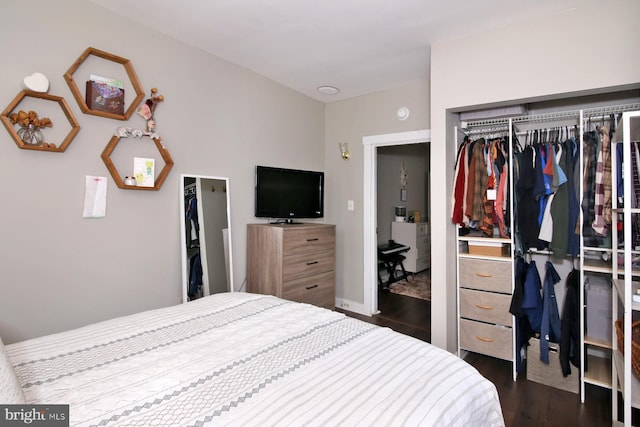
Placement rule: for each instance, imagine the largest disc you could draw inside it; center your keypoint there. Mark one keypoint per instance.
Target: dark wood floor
(524, 403)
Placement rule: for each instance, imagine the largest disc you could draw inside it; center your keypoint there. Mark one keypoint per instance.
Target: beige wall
(576, 52)
(59, 270)
(350, 121)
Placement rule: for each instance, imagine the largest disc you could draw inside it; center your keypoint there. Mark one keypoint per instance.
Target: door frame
(370, 243)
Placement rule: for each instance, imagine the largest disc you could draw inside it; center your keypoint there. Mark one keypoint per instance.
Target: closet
(544, 198)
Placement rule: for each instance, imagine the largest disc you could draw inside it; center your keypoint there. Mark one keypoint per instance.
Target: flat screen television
(288, 194)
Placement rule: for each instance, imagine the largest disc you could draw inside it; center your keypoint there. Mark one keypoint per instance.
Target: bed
(245, 359)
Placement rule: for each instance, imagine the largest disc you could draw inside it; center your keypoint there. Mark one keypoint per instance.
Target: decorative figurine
(147, 109)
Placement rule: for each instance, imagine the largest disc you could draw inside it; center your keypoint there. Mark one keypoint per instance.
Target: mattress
(244, 359)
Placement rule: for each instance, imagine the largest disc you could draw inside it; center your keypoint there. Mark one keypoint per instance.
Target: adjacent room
(330, 213)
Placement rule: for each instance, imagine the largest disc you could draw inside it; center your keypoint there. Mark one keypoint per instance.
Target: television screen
(289, 193)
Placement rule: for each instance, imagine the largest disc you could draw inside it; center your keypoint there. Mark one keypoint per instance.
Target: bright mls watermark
(34, 415)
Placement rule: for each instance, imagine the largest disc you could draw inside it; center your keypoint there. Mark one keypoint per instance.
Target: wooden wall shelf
(117, 177)
(133, 78)
(75, 127)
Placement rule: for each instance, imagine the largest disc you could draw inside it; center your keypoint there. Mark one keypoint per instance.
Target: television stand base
(285, 221)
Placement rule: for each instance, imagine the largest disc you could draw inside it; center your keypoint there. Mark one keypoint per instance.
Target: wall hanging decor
(105, 96)
(26, 126)
(143, 175)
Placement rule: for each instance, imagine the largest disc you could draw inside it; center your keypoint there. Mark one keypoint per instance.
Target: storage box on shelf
(550, 374)
(488, 248)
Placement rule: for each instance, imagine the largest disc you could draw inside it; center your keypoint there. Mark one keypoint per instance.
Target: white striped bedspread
(242, 359)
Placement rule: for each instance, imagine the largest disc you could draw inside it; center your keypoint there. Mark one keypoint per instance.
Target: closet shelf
(599, 372)
(480, 238)
(618, 285)
(618, 360)
(623, 210)
(484, 257)
(594, 342)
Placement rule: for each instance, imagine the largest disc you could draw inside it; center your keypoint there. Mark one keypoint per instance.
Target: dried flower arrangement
(30, 126)
(25, 119)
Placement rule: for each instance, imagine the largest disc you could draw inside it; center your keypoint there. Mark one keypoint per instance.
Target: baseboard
(354, 307)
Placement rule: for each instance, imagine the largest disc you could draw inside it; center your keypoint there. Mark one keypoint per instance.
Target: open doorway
(371, 144)
(404, 297)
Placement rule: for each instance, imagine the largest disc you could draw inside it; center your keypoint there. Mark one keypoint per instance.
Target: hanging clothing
(532, 300)
(195, 276)
(470, 181)
(570, 327)
(591, 143)
(602, 200)
(501, 202)
(559, 209)
(550, 326)
(523, 328)
(457, 215)
(528, 207)
(479, 189)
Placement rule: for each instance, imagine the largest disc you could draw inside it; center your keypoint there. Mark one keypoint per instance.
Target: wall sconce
(344, 150)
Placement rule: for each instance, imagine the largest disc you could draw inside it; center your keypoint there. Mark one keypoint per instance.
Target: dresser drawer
(486, 339)
(307, 264)
(485, 306)
(309, 239)
(317, 290)
(484, 274)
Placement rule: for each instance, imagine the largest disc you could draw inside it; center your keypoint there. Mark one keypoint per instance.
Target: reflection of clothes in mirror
(195, 277)
(193, 227)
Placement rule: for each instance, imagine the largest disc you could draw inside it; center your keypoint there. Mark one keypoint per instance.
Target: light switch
(350, 205)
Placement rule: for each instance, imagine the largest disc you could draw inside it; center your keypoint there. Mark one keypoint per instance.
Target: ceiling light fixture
(328, 90)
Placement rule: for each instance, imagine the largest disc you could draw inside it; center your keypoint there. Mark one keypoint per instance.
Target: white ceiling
(358, 46)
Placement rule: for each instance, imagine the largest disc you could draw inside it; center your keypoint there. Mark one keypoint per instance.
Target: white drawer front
(486, 339)
(484, 274)
(485, 306)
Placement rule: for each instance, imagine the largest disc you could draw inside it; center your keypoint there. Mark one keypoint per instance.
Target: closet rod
(488, 130)
(587, 112)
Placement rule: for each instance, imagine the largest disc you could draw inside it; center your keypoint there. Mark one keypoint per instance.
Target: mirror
(205, 236)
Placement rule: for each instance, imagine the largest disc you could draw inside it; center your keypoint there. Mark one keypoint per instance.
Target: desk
(390, 256)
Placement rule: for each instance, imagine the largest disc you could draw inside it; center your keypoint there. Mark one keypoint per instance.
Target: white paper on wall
(95, 197)
(144, 171)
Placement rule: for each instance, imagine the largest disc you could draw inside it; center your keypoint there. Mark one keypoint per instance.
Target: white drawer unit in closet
(485, 287)
(416, 236)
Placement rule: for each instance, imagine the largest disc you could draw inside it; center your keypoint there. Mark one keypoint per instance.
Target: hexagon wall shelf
(75, 127)
(133, 78)
(159, 180)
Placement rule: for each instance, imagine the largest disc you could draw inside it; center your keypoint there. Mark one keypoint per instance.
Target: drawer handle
(312, 286)
(312, 262)
(484, 275)
(484, 339)
(484, 307)
(313, 240)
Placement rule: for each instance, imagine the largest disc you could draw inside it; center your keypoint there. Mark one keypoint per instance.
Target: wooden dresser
(293, 261)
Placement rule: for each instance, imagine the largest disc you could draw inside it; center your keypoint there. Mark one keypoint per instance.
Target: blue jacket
(550, 328)
(532, 301)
